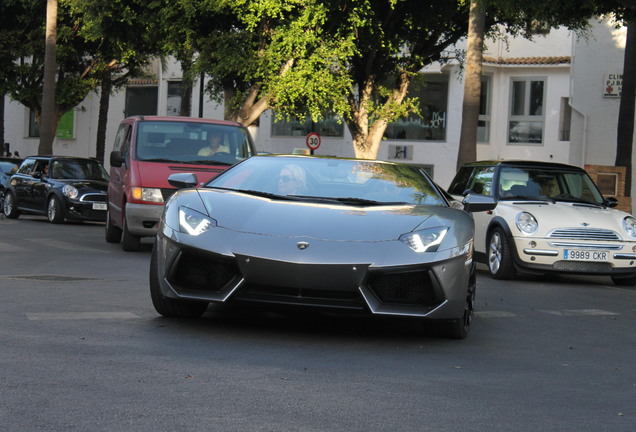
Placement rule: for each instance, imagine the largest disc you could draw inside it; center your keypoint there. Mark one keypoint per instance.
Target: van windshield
(192, 143)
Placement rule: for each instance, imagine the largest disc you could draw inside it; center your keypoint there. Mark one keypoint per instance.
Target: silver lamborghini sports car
(305, 231)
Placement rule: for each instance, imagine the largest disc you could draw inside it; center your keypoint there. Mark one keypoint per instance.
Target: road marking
(580, 312)
(494, 314)
(80, 315)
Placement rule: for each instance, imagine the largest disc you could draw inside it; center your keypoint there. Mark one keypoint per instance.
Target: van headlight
(147, 194)
(426, 240)
(194, 223)
(526, 223)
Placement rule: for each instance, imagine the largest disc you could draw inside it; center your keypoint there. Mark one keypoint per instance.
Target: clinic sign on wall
(613, 85)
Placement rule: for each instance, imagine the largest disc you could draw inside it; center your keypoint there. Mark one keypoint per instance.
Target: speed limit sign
(313, 141)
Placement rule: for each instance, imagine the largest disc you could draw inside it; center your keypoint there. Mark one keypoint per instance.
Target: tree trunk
(187, 83)
(48, 122)
(625, 133)
(472, 84)
(367, 135)
(2, 149)
(102, 122)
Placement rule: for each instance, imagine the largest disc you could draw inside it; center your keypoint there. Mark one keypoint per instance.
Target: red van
(147, 151)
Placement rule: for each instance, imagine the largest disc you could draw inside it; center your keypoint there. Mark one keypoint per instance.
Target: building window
(34, 127)
(328, 127)
(483, 125)
(526, 111)
(173, 104)
(432, 92)
(141, 101)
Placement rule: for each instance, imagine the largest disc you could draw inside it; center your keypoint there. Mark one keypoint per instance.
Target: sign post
(312, 141)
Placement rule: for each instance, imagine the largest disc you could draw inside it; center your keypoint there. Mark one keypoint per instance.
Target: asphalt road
(82, 349)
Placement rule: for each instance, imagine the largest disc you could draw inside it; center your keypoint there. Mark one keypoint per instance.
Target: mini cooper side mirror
(478, 203)
(183, 180)
(610, 202)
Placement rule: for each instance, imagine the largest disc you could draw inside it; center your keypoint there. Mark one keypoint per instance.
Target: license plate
(585, 255)
(99, 206)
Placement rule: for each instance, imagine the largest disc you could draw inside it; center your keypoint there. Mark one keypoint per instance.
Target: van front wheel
(112, 232)
(130, 242)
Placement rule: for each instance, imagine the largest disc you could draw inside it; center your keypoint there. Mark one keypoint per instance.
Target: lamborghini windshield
(346, 181)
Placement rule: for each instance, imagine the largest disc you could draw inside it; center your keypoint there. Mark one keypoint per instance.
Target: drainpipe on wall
(584, 139)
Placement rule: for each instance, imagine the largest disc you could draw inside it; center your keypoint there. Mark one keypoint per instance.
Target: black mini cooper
(60, 187)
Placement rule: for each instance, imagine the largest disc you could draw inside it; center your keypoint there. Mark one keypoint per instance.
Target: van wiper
(206, 162)
(526, 198)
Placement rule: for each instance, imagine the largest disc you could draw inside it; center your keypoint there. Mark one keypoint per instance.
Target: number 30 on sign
(313, 141)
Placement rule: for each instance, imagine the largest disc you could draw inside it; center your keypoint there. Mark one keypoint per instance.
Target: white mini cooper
(549, 218)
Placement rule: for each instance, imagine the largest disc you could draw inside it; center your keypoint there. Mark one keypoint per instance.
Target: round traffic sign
(313, 141)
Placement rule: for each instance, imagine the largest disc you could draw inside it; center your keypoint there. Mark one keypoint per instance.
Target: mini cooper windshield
(550, 184)
(341, 181)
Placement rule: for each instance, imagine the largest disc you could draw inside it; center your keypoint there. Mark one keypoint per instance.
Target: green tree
(74, 78)
(121, 49)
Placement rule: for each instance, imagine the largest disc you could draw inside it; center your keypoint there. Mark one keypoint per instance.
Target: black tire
(458, 328)
(168, 307)
(499, 255)
(2, 201)
(54, 212)
(624, 281)
(112, 233)
(10, 209)
(130, 242)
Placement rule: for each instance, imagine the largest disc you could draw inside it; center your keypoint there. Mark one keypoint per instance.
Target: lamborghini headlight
(194, 223)
(426, 240)
(527, 223)
(629, 225)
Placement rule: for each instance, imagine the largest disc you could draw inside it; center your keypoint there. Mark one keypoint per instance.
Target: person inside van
(214, 141)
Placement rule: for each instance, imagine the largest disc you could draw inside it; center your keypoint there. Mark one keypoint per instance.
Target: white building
(546, 99)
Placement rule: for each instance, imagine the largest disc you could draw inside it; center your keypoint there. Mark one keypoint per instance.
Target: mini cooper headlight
(526, 223)
(427, 240)
(147, 194)
(629, 225)
(194, 223)
(70, 191)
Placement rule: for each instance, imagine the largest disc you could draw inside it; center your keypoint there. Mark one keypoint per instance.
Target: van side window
(121, 138)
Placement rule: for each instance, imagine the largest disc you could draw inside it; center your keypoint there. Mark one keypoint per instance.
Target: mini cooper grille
(584, 234)
(201, 273)
(94, 198)
(414, 288)
(582, 266)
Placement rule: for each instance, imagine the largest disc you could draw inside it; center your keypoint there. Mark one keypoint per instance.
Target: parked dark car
(59, 187)
(8, 167)
(341, 234)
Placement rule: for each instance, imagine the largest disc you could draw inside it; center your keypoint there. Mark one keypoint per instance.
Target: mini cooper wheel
(168, 307)
(130, 242)
(500, 255)
(10, 209)
(54, 210)
(112, 233)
